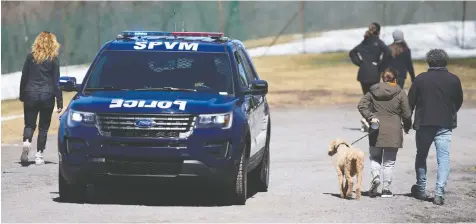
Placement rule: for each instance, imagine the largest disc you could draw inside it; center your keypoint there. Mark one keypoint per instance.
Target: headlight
(215, 120)
(77, 117)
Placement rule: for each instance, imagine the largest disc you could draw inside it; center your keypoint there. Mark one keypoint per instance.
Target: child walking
(387, 104)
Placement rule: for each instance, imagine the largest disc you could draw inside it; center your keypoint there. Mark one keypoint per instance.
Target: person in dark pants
(371, 56)
(39, 88)
(436, 96)
(387, 104)
(401, 58)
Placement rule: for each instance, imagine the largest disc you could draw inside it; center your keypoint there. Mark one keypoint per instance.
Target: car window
(139, 69)
(241, 70)
(249, 71)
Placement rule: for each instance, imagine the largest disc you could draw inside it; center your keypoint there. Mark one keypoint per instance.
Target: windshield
(141, 70)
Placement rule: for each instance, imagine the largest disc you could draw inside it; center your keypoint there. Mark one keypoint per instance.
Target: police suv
(166, 106)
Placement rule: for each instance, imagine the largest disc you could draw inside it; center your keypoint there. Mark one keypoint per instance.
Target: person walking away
(371, 56)
(38, 89)
(436, 96)
(401, 58)
(387, 104)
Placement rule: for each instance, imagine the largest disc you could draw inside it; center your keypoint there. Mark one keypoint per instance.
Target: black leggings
(366, 86)
(37, 103)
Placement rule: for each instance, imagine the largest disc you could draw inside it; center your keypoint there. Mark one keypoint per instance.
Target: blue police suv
(158, 106)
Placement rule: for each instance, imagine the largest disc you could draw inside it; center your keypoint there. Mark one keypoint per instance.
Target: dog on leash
(349, 162)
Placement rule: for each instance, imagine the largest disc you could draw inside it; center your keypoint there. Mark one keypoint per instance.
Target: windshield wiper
(167, 88)
(103, 88)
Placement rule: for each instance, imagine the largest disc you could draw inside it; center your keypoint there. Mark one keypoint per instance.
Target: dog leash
(374, 126)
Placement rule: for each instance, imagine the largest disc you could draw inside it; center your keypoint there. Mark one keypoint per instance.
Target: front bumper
(206, 156)
(99, 171)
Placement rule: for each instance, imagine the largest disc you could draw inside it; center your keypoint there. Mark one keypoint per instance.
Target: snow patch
(420, 38)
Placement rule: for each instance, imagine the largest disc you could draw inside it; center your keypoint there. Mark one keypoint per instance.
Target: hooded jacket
(372, 56)
(390, 105)
(41, 78)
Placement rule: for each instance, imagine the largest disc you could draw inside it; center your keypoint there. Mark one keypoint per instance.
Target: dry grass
(294, 81)
(318, 79)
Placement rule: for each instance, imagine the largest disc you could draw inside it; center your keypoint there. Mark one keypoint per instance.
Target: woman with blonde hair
(38, 89)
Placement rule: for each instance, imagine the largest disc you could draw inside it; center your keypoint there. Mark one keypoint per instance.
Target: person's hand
(374, 120)
(406, 130)
(59, 110)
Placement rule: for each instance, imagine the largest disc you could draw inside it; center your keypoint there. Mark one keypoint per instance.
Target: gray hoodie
(390, 105)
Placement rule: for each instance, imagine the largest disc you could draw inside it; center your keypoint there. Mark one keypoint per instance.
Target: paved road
(303, 183)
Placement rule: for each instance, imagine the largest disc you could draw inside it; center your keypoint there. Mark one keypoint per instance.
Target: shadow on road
(33, 163)
(157, 196)
(352, 129)
(366, 194)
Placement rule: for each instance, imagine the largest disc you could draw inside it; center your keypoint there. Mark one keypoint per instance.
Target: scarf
(392, 83)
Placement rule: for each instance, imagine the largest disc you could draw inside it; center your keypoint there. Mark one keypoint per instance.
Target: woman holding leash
(387, 104)
(38, 89)
(371, 56)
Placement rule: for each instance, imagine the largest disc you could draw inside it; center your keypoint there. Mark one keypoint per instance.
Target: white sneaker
(39, 158)
(25, 152)
(374, 186)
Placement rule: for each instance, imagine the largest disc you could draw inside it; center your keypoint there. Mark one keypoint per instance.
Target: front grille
(124, 125)
(143, 167)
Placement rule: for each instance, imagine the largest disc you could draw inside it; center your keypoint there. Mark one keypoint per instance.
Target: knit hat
(397, 35)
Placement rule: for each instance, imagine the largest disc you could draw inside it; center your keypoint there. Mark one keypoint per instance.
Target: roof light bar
(198, 34)
(145, 33)
(162, 33)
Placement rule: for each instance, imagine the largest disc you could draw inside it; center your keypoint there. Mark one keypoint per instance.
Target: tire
(259, 177)
(70, 192)
(239, 192)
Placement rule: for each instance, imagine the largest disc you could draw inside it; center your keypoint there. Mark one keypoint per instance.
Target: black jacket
(403, 64)
(436, 96)
(371, 55)
(41, 78)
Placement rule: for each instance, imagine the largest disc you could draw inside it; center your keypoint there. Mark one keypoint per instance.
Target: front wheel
(260, 176)
(239, 193)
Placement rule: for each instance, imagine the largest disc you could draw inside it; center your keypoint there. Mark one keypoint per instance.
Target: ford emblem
(145, 123)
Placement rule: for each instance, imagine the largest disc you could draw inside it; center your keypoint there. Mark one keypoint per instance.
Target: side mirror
(68, 84)
(258, 87)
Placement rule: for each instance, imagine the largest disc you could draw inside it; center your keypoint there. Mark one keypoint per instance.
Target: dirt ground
(303, 183)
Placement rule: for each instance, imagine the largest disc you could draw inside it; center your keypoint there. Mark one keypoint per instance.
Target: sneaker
(39, 158)
(374, 186)
(438, 200)
(25, 152)
(387, 193)
(365, 125)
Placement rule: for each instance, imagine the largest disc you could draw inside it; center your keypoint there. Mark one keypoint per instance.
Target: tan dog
(348, 162)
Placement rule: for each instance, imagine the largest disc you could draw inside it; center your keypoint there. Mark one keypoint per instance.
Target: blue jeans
(425, 136)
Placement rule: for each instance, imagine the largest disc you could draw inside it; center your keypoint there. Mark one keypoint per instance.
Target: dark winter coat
(41, 78)
(436, 96)
(403, 64)
(371, 55)
(390, 105)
